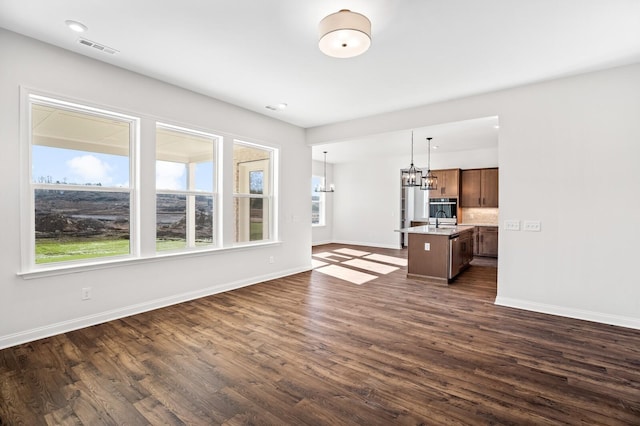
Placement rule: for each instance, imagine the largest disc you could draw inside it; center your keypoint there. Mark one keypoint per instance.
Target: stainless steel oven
(445, 209)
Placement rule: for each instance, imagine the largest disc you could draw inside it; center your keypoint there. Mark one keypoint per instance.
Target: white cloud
(170, 175)
(90, 169)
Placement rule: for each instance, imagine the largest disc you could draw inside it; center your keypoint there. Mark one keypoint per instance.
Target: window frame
(217, 142)
(322, 219)
(28, 186)
(270, 197)
(142, 190)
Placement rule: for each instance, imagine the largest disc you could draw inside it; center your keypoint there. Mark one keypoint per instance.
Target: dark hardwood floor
(312, 349)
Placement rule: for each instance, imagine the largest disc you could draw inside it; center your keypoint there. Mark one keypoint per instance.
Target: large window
(185, 181)
(80, 182)
(253, 195)
(317, 201)
(89, 196)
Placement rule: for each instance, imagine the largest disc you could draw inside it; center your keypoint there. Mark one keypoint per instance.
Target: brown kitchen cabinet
(485, 241)
(448, 184)
(439, 255)
(466, 248)
(479, 188)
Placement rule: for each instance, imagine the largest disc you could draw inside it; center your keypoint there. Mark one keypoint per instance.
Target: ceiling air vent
(97, 46)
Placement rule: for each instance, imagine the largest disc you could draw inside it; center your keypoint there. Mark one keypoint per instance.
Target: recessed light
(277, 107)
(496, 127)
(76, 26)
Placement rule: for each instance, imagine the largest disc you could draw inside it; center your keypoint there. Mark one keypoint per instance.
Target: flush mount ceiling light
(76, 26)
(344, 34)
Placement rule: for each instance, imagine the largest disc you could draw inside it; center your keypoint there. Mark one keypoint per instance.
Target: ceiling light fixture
(76, 26)
(323, 186)
(411, 176)
(344, 34)
(429, 181)
(279, 107)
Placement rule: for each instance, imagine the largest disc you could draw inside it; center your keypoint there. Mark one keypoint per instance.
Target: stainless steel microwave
(443, 208)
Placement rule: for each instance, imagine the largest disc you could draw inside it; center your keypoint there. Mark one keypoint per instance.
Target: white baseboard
(320, 243)
(621, 321)
(102, 317)
(367, 244)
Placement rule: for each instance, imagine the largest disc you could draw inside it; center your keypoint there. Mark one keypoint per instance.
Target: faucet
(437, 213)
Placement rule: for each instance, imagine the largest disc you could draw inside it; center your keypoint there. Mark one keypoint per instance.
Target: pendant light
(411, 176)
(429, 181)
(323, 186)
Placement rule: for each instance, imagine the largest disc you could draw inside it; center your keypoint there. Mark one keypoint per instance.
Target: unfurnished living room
(320, 213)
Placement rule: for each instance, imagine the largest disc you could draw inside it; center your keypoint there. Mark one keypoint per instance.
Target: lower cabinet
(461, 252)
(485, 239)
(467, 248)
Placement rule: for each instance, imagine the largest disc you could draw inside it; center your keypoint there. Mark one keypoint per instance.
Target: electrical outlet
(512, 225)
(86, 293)
(427, 246)
(532, 225)
(272, 259)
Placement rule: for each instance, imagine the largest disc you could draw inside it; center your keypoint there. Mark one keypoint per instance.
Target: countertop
(446, 230)
(469, 223)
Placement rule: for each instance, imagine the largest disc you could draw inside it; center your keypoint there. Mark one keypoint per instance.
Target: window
(80, 182)
(84, 196)
(317, 201)
(253, 195)
(185, 182)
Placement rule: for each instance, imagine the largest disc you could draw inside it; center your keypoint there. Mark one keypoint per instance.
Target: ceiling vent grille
(97, 46)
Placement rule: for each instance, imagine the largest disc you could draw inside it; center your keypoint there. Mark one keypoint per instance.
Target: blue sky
(81, 167)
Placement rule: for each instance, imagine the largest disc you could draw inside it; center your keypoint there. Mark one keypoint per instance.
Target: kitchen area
(444, 229)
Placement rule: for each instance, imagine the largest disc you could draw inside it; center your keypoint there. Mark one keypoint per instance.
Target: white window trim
(215, 193)
(322, 202)
(274, 153)
(29, 97)
(28, 268)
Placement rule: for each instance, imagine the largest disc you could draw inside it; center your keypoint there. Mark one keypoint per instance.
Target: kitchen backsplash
(479, 215)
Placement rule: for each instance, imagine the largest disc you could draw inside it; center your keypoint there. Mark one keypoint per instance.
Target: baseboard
(617, 320)
(367, 244)
(320, 243)
(102, 317)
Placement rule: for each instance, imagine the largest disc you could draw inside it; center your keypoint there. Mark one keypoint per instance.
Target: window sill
(319, 225)
(119, 262)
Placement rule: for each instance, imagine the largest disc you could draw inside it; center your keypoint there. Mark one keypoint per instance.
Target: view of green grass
(255, 231)
(162, 245)
(48, 251)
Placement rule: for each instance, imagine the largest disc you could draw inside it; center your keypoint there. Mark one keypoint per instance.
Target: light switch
(532, 225)
(512, 225)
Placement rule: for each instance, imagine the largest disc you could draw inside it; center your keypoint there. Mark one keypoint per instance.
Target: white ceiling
(254, 53)
(479, 133)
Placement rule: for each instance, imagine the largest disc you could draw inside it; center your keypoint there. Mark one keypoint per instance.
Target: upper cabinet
(448, 184)
(479, 188)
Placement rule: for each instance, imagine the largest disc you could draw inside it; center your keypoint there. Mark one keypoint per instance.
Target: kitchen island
(438, 254)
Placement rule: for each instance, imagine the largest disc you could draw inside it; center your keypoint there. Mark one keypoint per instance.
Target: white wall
(562, 145)
(367, 202)
(324, 234)
(34, 308)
